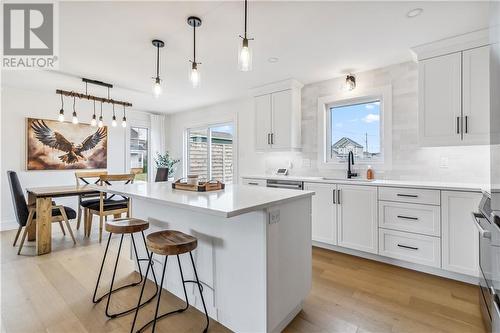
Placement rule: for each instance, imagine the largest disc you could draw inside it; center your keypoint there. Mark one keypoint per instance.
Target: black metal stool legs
(200, 288)
(113, 315)
(156, 317)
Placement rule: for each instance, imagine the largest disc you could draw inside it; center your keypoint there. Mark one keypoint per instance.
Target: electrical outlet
(274, 216)
(443, 162)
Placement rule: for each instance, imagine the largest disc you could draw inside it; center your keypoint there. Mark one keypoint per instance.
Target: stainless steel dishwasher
(289, 184)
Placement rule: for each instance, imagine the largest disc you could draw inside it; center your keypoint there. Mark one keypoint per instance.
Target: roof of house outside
(344, 142)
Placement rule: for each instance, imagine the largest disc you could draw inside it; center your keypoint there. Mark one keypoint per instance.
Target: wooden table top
(61, 191)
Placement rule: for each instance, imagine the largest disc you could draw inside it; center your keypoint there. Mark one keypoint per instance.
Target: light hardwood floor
(52, 293)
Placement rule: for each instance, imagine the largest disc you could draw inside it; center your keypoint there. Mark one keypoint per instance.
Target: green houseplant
(165, 166)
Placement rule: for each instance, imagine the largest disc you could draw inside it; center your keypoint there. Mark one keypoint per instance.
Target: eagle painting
(56, 146)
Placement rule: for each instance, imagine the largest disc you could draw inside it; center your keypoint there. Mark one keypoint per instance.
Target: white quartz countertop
(232, 201)
(380, 182)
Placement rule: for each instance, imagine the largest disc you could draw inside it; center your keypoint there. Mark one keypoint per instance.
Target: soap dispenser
(369, 173)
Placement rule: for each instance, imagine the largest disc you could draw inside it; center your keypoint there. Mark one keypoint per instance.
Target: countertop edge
(376, 182)
(210, 211)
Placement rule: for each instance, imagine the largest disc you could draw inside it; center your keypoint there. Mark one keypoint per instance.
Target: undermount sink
(348, 179)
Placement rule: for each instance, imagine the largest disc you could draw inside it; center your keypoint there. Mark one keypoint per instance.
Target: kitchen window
(359, 122)
(209, 152)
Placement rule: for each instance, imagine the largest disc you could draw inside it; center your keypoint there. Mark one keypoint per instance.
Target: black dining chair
(26, 214)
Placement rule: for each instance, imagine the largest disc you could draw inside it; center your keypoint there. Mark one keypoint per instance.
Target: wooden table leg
(32, 228)
(43, 225)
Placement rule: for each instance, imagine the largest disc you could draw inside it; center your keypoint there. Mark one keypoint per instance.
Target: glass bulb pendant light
(244, 52)
(124, 119)
(61, 112)
(93, 122)
(74, 119)
(100, 123)
(194, 75)
(157, 89)
(113, 121)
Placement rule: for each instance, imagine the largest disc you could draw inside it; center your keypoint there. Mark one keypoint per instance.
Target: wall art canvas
(54, 145)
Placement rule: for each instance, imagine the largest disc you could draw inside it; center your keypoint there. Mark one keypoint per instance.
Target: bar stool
(122, 227)
(166, 243)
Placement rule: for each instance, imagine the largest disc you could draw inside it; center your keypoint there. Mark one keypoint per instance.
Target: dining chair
(108, 204)
(26, 214)
(86, 178)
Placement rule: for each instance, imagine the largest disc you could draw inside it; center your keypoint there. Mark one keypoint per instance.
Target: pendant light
(93, 122)
(157, 81)
(61, 112)
(100, 123)
(245, 53)
(194, 76)
(113, 121)
(124, 119)
(75, 117)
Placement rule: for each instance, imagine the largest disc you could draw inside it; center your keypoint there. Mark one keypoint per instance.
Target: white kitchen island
(254, 249)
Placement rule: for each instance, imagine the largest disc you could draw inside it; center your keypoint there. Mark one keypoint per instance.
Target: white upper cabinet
(324, 212)
(278, 116)
(439, 100)
(357, 226)
(476, 95)
(454, 90)
(263, 118)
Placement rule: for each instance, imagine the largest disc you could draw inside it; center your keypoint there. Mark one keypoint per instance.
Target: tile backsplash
(409, 160)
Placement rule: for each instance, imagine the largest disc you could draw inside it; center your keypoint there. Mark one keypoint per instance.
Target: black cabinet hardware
(407, 195)
(333, 195)
(458, 125)
(466, 124)
(408, 247)
(338, 197)
(407, 217)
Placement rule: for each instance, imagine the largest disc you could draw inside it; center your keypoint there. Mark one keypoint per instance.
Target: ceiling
(314, 41)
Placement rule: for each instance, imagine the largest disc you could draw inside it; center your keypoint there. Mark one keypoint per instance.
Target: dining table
(42, 198)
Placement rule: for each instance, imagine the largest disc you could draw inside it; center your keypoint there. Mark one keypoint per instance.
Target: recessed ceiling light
(273, 59)
(414, 12)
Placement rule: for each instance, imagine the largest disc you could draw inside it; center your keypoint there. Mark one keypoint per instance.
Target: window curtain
(158, 139)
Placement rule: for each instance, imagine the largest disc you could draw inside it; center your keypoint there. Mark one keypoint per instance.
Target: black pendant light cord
(74, 102)
(157, 61)
(62, 102)
(94, 109)
(194, 44)
(100, 116)
(244, 37)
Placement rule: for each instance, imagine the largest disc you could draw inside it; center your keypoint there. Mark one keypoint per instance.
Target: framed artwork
(54, 145)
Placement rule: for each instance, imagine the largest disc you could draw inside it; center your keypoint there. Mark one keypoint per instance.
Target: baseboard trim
(401, 263)
(288, 319)
(8, 225)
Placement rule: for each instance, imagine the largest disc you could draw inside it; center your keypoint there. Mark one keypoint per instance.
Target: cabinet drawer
(414, 195)
(419, 249)
(254, 182)
(422, 219)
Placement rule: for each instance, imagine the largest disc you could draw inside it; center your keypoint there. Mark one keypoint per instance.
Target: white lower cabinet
(324, 212)
(357, 217)
(419, 249)
(460, 237)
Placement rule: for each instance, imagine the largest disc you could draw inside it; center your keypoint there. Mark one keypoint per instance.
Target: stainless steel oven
(488, 225)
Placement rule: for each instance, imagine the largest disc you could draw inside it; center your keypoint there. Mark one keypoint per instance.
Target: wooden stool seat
(171, 242)
(126, 226)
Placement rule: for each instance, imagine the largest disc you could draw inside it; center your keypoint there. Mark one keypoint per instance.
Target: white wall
(19, 104)
(409, 161)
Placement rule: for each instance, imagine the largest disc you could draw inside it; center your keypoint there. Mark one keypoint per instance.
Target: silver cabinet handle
(407, 217)
(458, 125)
(484, 233)
(408, 247)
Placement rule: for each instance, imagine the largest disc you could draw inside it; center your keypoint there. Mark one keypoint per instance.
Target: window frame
(208, 127)
(142, 125)
(345, 98)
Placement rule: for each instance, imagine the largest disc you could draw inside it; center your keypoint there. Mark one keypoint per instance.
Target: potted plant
(165, 166)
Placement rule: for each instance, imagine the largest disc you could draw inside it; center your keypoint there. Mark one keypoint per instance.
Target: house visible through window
(210, 152)
(139, 152)
(355, 127)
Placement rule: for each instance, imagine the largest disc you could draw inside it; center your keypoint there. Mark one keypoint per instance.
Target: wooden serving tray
(201, 187)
